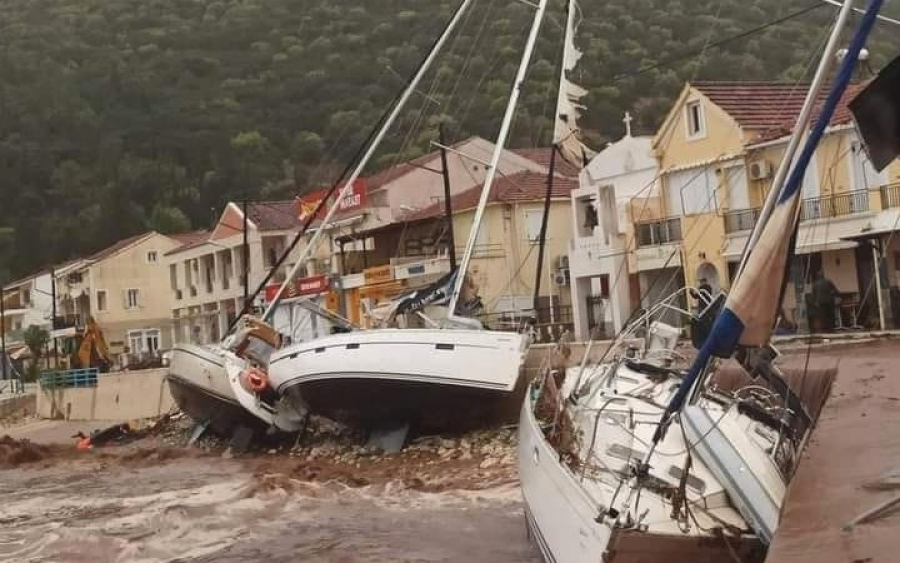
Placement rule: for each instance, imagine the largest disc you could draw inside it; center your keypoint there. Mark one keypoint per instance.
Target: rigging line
(314, 176)
(471, 52)
(428, 98)
(719, 43)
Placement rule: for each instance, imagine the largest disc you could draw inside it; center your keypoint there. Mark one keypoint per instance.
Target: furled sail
(567, 135)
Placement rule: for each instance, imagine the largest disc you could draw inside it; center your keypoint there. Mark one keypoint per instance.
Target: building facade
(125, 289)
(718, 151)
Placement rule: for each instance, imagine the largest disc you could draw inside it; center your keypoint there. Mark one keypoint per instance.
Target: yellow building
(718, 150)
(125, 288)
(414, 250)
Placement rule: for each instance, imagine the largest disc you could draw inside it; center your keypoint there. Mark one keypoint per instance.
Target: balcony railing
(741, 220)
(659, 232)
(67, 321)
(890, 196)
(838, 205)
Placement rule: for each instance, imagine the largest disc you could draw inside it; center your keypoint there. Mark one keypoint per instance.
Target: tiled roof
(188, 240)
(542, 156)
(388, 175)
(520, 187)
(122, 244)
(274, 215)
(770, 108)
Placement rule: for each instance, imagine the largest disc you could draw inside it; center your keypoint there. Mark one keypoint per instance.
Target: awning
(813, 236)
(884, 224)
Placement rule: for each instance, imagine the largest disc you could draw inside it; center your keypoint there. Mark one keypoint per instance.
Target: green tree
(36, 338)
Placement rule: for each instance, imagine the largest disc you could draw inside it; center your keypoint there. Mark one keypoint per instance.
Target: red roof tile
(520, 187)
(542, 156)
(770, 108)
(188, 240)
(274, 215)
(121, 245)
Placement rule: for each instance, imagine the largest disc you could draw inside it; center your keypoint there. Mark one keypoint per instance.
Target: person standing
(824, 298)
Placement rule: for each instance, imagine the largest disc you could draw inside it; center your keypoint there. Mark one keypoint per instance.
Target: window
(696, 125)
(152, 257)
(151, 339)
(533, 220)
(135, 341)
(26, 297)
(132, 298)
(101, 300)
(587, 216)
(143, 340)
(692, 191)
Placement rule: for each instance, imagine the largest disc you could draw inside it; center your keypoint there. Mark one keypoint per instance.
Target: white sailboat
(451, 371)
(643, 457)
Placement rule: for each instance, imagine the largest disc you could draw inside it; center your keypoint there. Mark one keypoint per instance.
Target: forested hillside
(122, 115)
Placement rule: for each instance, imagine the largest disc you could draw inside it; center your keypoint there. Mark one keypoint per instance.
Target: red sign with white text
(354, 201)
(301, 287)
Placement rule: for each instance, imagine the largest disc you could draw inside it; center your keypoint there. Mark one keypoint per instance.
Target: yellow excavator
(92, 351)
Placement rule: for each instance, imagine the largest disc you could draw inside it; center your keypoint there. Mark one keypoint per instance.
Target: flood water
(205, 511)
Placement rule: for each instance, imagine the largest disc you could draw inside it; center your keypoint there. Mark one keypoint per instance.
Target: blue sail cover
(749, 314)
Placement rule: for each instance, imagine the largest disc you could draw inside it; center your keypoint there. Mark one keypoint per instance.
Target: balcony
(740, 220)
(62, 322)
(656, 233)
(890, 196)
(840, 205)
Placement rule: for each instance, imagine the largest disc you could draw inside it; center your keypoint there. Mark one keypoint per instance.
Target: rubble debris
(19, 452)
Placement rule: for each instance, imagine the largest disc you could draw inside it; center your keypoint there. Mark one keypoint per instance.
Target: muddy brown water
(202, 510)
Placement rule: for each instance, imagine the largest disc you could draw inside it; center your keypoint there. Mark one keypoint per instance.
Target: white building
(604, 291)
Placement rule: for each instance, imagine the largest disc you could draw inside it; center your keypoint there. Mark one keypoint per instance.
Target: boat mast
(541, 8)
(345, 191)
(800, 129)
(729, 327)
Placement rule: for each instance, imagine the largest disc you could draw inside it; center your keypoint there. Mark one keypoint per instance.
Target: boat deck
(856, 442)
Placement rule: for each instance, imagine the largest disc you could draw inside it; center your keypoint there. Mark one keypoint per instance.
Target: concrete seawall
(117, 396)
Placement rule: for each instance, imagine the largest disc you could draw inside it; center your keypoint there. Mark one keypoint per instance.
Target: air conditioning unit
(760, 169)
(561, 277)
(562, 262)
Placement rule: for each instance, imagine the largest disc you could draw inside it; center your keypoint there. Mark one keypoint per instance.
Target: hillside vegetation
(122, 115)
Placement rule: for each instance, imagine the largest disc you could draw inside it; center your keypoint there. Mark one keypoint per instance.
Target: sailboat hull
(199, 385)
(437, 379)
(562, 517)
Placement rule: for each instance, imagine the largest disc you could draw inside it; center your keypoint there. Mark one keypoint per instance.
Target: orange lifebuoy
(255, 379)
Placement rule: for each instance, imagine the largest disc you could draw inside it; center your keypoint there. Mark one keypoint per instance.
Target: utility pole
(245, 256)
(53, 326)
(448, 209)
(3, 328)
(543, 235)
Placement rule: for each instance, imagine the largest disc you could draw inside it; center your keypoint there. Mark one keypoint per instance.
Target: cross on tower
(627, 122)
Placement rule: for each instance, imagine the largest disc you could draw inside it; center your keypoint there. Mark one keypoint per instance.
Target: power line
(720, 42)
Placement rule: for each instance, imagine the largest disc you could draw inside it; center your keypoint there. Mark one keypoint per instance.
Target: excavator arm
(93, 351)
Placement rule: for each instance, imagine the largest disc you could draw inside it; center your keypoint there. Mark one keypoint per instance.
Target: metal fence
(838, 205)
(741, 220)
(70, 378)
(890, 196)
